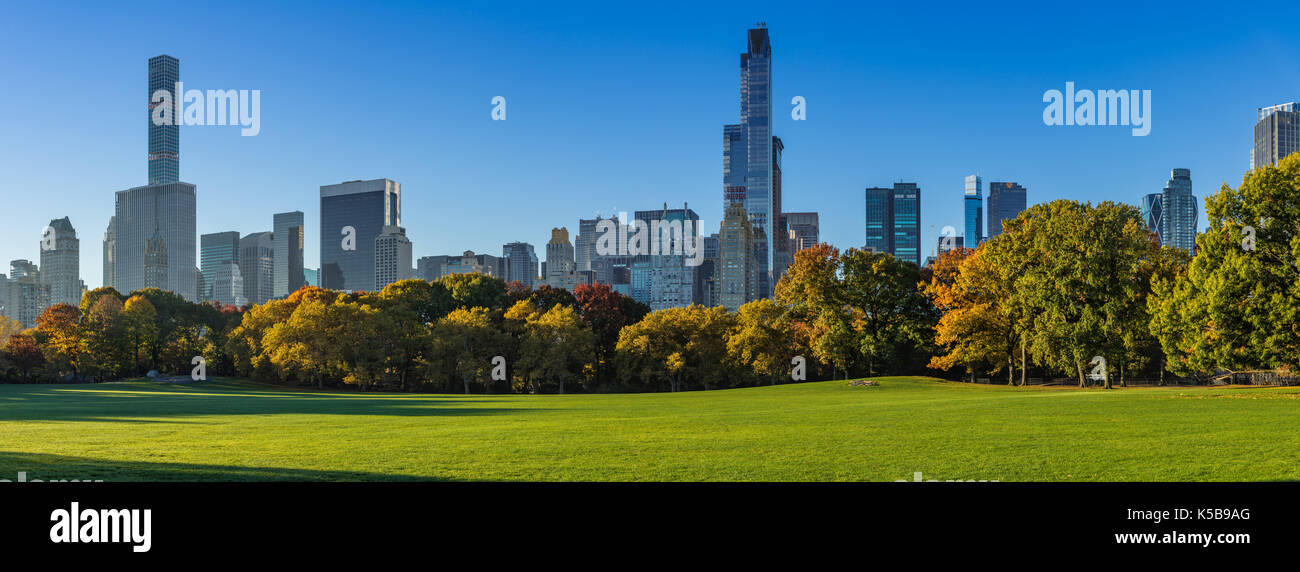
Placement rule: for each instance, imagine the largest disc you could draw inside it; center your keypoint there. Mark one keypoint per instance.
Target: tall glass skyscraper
(974, 201)
(164, 140)
(1006, 201)
(217, 249)
(749, 151)
(894, 221)
(521, 263)
(347, 259)
(287, 277)
(1178, 211)
(1151, 206)
(158, 217)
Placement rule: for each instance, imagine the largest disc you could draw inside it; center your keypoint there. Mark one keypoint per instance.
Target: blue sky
(616, 107)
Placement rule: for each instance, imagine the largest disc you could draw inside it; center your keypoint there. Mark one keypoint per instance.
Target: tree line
(1067, 289)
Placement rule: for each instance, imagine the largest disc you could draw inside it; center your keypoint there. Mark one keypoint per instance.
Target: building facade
(1006, 202)
(392, 257)
(893, 221)
(61, 263)
(1277, 134)
(736, 268)
(227, 285)
(1178, 212)
(973, 202)
(352, 216)
(288, 230)
(520, 263)
(216, 249)
(257, 265)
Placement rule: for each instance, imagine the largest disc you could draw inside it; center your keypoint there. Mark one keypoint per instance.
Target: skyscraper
(1178, 211)
(352, 215)
(392, 256)
(61, 263)
(164, 140)
(216, 249)
(110, 245)
(759, 167)
(560, 264)
(227, 285)
(159, 217)
(893, 221)
(804, 230)
(26, 296)
(256, 265)
(1006, 201)
(287, 277)
(1277, 134)
(736, 268)
(521, 263)
(907, 222)
(1151, 207)
(974, 202)
(663, 278)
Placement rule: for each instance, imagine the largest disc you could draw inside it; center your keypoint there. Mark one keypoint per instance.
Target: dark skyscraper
(894, 221)
(352, 215)
(1277, 134)
(1006, 201)
(215, 250)
(752, 138)
(164, 140)
(1178, 211)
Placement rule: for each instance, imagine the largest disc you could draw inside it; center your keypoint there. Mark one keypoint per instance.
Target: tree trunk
(561, 385)
(1024, 366)
(465, 380)
(1122, 381)
(1011, 369)
(1079, 366)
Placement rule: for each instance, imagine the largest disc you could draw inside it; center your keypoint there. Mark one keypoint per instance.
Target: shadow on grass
(146, 403)
(51, 468)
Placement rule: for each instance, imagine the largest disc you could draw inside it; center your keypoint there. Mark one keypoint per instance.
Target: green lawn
(232, 430)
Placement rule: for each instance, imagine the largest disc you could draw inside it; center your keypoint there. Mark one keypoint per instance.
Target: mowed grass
(226, 430)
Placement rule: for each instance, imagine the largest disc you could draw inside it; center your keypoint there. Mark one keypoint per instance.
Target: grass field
(228, 430)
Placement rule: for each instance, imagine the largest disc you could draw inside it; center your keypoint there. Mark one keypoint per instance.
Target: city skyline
(231, 175)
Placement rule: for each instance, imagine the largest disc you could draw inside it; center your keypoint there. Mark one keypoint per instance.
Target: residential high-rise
(352, 215)
(893, 221)
(974, 203)
(26, 297)
(736, 269)
(216, 249)
(560, 264)
(521, 263)
(158, 217)
(61, 263)
(1178, 211)
(665, 277)
(165, 139)
(1006, 202)
(584, 245)
(227, 284)
(755, 177)
(256, 266)
(705, 273)
(1277, 134)
(392, 256)
(804, 230)
(287, 277)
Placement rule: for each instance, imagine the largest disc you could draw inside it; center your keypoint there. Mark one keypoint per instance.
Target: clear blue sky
(616, 107)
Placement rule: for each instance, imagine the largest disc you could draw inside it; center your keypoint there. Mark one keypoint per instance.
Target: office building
(1277, 134)
(974, 207)
(256, 266)
(26, 297)
(893, 221)
(216, 249)
(520, 263)
(1006, 202)
(227, 285)
(352, 216)
(804, 230)
(287, 277)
